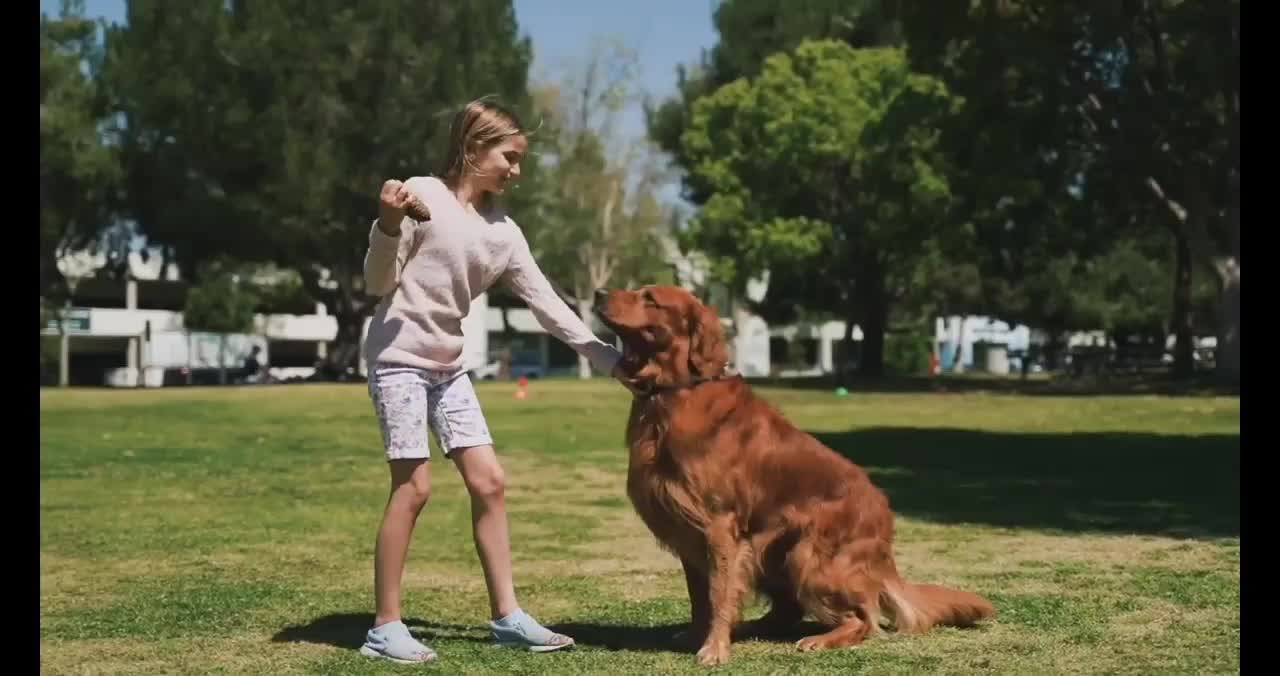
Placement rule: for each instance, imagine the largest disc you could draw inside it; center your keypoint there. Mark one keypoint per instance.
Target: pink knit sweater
(429, 275)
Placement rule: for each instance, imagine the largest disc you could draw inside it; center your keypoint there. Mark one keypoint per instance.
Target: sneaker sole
(370, 652)
(532, 648)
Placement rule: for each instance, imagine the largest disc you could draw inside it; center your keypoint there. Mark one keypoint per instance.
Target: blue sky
(664, 33)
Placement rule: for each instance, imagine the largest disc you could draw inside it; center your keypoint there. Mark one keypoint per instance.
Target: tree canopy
(79, 169)
(823, 170)
(262, 131)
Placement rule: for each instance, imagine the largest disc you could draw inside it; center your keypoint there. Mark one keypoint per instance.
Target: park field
(231, 530)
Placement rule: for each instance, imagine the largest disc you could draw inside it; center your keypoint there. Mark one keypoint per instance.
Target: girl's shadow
(347, 630)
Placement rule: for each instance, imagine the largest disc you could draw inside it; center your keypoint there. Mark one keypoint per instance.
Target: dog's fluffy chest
(659, 489)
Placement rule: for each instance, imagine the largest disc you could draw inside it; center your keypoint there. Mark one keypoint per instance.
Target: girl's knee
(488, 485)
(413, 495)
(412, 490)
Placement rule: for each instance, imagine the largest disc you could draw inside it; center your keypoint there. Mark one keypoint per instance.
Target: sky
(664, 33)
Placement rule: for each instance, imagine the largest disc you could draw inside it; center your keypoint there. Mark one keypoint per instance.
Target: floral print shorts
(410, 400)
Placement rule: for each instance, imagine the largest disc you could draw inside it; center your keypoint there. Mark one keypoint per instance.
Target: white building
(126, 333)
(957, 339)
(984, 344)
(749, 345)
(131, 333)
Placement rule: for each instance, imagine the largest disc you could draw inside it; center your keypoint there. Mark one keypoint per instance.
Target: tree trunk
(1227, 356)
(346, 352)
(584, 312)
(873, 302)
(348, 307)
(64, 345)
(222, 359)
(846, 351)
(873, 329)
(1184, 337)
(738, 346)
(1121, 357)
(1053, 349)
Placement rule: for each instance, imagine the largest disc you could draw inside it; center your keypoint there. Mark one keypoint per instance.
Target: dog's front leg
(695, 578)
(729, 562)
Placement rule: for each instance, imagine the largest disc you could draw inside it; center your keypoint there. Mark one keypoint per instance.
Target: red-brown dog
(749, 502)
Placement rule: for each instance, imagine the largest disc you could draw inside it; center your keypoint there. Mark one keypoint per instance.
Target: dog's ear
(708, 354)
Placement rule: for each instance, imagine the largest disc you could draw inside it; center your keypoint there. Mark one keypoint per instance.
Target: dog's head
(669, 336)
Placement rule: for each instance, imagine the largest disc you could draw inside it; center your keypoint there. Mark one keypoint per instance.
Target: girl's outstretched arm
(526, 279)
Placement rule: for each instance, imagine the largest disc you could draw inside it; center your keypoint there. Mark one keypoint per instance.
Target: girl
(428, 272)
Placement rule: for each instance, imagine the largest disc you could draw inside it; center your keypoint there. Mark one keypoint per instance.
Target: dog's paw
(713, 653)
(810, 643)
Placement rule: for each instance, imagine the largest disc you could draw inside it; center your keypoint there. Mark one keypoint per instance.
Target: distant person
(252, 368)
(456, 243)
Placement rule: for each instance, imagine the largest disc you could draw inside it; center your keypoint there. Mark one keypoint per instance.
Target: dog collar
(695, 381)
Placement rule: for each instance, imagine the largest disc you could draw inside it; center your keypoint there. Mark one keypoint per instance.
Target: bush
(221, 303)
(907, 353)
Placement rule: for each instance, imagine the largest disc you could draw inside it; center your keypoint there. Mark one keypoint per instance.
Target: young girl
(427, 273)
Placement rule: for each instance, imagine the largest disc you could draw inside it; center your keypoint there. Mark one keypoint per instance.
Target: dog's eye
(649, 301)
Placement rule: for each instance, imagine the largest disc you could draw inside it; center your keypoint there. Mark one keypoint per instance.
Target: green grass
(231, 531)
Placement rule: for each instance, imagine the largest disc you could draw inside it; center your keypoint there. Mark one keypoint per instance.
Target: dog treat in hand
(417, 210)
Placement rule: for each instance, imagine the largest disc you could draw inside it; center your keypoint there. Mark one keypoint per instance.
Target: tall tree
(853, 133)
(194, 143)
(79, 170)
(749, 32)
(263, 130)
(599, 221)
(1146, 89)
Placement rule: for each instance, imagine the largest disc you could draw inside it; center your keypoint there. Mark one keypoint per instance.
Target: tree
(751, 31)
(598, 220)
(189, 122)
(79, 170)
(222, 303)
(1144, 92)
(263, 130)
(853, 133)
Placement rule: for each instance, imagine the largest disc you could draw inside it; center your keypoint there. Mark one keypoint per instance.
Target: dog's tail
(917, 608)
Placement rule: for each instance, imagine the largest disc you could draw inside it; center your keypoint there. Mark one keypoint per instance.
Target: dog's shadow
(347, 630)
(654, 638)
(669, 637)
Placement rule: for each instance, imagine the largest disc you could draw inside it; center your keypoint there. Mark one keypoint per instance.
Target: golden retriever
(749, 502)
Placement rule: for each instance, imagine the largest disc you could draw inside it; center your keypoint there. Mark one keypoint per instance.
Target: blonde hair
(479, 125)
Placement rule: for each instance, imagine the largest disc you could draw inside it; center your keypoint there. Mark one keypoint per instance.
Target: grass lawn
(231, 531)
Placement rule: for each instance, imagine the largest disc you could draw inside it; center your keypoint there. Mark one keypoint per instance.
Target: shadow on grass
(347, 630)
(1184, 486)
(1062, 386)
(660, 637)
(669, 637)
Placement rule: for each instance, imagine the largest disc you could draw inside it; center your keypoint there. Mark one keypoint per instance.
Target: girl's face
(498, 166)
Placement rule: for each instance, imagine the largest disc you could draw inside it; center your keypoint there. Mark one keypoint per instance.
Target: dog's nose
(602, 295)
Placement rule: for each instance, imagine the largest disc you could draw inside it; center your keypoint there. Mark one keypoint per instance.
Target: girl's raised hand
(394, 202)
